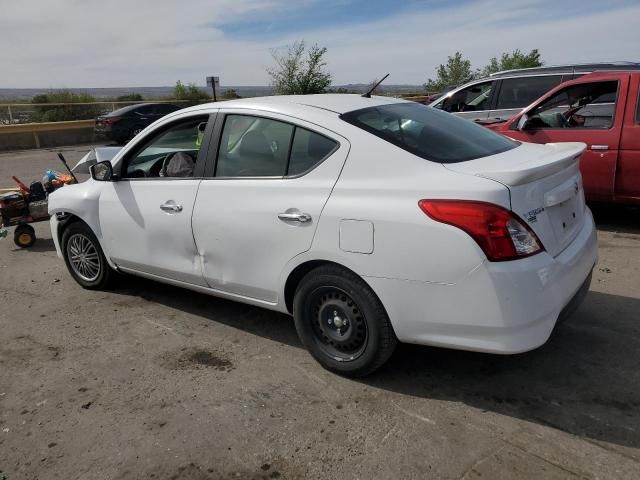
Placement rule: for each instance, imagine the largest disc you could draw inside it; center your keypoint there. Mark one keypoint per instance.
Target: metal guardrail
(46, 127)
(35, 129)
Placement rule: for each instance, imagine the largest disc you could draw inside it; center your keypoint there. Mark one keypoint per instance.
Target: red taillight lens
(110, 120)
(499, 232)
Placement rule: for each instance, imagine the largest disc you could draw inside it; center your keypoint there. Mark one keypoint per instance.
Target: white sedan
(370, 220)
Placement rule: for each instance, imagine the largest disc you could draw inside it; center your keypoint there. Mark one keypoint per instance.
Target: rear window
(429, 133)
(123, 111)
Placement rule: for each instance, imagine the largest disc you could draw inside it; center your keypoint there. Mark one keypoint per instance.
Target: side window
(170, 153)
(307, 150)
(522, 91)
(253, 147)
(471, 99)
(144, 110)
(587, 105)
(164, 109)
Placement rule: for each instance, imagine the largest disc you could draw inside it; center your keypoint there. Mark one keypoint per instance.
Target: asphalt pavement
(151, 381)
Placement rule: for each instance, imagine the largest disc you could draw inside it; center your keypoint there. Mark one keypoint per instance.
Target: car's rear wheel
(342, 323)
(134, 132)
(84, 257)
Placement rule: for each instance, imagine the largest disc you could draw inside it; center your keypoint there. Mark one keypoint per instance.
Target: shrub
(60, 113)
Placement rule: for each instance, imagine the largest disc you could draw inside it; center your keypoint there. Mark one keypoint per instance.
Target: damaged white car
(370, 220)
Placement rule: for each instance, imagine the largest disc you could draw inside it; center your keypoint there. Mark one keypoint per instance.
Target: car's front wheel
(342, 323)
(84, 257)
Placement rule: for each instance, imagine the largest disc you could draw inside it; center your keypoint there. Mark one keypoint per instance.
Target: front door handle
(599, 147)
(295, 217)
(171, 207)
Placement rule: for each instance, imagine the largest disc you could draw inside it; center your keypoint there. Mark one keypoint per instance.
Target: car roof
(135, 106)
(337, 103)
(569, 69)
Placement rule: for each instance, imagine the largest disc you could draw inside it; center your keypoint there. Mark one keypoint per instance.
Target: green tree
(512, 61)
(69, 111)
(455, 72)
(132, 97)
(190, 93)
(299, 71)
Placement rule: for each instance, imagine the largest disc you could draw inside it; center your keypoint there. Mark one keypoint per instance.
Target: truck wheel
(84, 258)
(342, 322)
(24, 236)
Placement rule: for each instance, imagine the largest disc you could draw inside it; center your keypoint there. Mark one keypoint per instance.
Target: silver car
(504, 94)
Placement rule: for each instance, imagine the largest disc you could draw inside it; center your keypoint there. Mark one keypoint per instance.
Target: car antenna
(368, 94)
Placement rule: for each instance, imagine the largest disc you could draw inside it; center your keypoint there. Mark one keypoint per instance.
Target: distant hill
(25, 94)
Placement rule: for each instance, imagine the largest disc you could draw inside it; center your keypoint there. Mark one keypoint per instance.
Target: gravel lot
(150, 381)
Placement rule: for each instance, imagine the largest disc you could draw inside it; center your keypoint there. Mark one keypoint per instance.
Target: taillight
(110, 120)
(499, 232)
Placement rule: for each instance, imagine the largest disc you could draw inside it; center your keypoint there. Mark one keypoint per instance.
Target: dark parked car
(125, 123)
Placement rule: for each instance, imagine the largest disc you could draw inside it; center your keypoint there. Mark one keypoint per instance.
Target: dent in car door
(146, 219)
(142, 236)
(247, 229)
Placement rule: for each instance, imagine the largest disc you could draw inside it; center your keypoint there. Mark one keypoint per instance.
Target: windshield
(429, 133)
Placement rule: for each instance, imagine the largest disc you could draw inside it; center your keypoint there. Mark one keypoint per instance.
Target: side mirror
(102, 172)
(522, 122)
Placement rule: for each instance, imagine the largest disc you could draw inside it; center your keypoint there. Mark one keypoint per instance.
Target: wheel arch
(65, 219)
(297, 274)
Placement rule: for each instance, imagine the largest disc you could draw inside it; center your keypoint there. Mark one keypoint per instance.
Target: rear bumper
(104, 131)
(504, 307)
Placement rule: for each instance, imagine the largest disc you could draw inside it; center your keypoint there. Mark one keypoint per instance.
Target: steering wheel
(154, 171)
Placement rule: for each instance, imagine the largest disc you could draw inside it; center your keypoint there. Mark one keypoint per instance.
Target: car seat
(255, 155)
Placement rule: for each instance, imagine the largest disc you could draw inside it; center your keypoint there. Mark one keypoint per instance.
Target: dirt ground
(150, 381)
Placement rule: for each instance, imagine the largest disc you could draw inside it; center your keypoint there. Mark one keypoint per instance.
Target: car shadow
(40, 245)
(43, 245)
(616, 218)
(255, 320)
(585, 380)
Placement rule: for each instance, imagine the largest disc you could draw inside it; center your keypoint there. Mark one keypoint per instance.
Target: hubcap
(24, 238)
(83, 257)
(339, 327)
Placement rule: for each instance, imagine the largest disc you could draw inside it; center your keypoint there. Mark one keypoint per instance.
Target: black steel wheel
(24, 236)
(341, 321)
(339, 326)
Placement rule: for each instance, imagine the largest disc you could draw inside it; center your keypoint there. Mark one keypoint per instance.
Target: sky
(127, 43)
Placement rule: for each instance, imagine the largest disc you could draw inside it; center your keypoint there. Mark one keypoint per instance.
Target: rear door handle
(599, 147)
(171, 207)
(295, 217)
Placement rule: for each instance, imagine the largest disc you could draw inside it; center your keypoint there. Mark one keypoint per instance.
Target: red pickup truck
(600, 109)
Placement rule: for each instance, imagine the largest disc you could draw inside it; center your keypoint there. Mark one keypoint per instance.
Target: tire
(91, 270)
(134, 132)
(24, 236)
(342, 323)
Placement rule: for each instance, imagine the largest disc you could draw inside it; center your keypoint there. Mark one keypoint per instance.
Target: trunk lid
(545, 188)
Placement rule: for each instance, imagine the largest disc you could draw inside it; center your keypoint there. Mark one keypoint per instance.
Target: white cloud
(89, 43)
